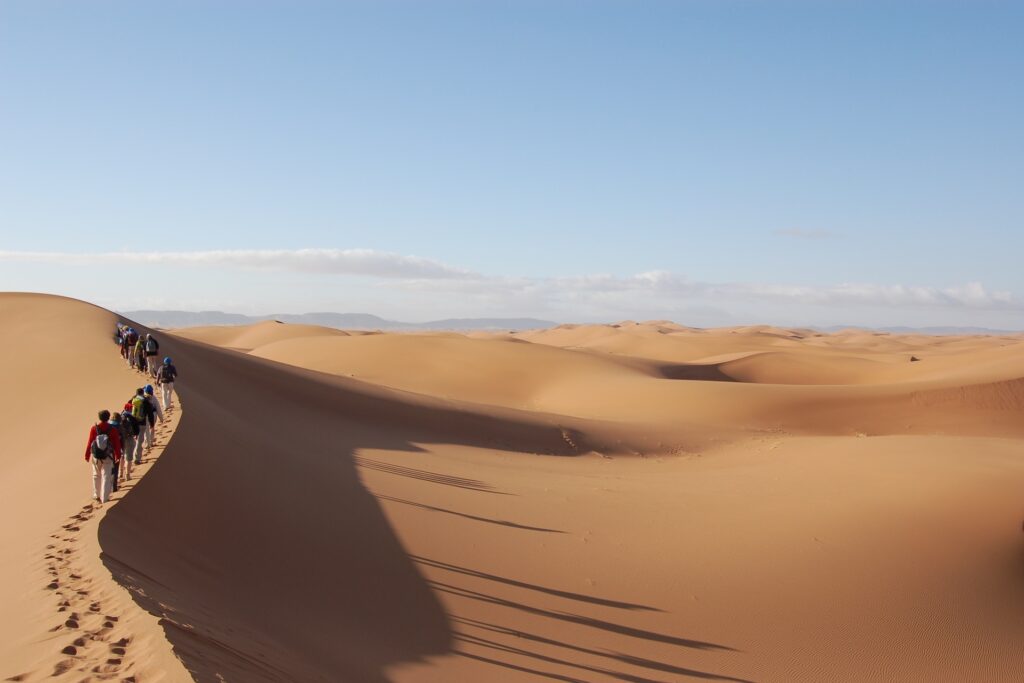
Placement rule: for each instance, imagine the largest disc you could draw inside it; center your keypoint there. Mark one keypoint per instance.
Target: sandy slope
(59, 368)
(387, 507)
(247, 337)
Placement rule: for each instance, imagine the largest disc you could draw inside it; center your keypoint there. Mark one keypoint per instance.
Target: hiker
(152, 347)
(127, 342)
(134, 426)
(115, 422)
(139, 354)
(122, 470)
(152, 413)
(124, 342)
(103, 449)
(140, 410)
(165, 378)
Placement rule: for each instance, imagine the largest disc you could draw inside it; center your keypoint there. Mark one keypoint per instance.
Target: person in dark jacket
(165, 378)
(152, 350)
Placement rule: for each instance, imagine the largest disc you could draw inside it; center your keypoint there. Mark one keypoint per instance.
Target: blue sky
(715, 162)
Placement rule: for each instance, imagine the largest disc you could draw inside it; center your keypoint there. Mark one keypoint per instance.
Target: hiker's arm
(117, 444)
(88, 445)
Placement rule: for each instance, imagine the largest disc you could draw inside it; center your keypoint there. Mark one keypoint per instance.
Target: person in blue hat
(165, 378)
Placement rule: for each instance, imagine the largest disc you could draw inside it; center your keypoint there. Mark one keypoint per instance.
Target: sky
(713, 162)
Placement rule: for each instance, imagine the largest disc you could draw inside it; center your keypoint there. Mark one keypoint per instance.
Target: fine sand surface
(59, 368)
(638, 502)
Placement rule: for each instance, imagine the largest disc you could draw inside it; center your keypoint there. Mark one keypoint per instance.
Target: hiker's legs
(139, 442)
(126, 461)
(107, 482)
(114, 469)
(97, 478)
(154, 365)
(168, 390)
(150, 434)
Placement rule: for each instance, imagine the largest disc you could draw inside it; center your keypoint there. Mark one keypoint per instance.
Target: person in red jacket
(102, 451)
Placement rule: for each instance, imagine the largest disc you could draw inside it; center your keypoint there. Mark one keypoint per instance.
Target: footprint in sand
(63, 667)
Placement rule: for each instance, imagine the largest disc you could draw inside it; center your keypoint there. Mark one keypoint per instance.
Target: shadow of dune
(477, 518)
(592, 622)
(255, 542)
(424, 475)
(695, 372)
(615, 656)
(617, 675)
(604, 602)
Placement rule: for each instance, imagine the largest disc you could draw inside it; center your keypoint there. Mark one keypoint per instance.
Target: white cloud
(366, 262)
(660, 290)
(411, 279)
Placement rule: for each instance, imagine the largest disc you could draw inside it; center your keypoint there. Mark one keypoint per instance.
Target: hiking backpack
(138, 408)
(101, 446)
(167, 373)
(130, 425)
(151, 346)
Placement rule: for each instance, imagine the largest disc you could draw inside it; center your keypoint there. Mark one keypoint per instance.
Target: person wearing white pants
(103, 448)
(168, 391)
(102, 479)
(165, 378)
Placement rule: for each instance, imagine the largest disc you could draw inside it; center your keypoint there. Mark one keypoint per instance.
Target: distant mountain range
(348, 321)
(923, 330)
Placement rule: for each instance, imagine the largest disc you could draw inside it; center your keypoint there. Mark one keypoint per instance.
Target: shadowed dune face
(294, 574)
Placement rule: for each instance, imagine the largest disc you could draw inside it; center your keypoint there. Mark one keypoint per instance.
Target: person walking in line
(103, 449)
(127, 430)
(139, 408)
(153, 412)
(165, 378)
(134, 453)
(115, 422)
(127, 342)
(152, 347)
(139, 353)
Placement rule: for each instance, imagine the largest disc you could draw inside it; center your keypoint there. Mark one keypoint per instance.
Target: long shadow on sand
(255, 543)
(475, 518)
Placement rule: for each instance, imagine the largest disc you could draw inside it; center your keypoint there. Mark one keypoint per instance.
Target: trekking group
(117, 442)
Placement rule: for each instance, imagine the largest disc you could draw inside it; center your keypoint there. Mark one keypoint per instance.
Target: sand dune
(386, 507)
(661, 377)
(59, 367)
(247, 337)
